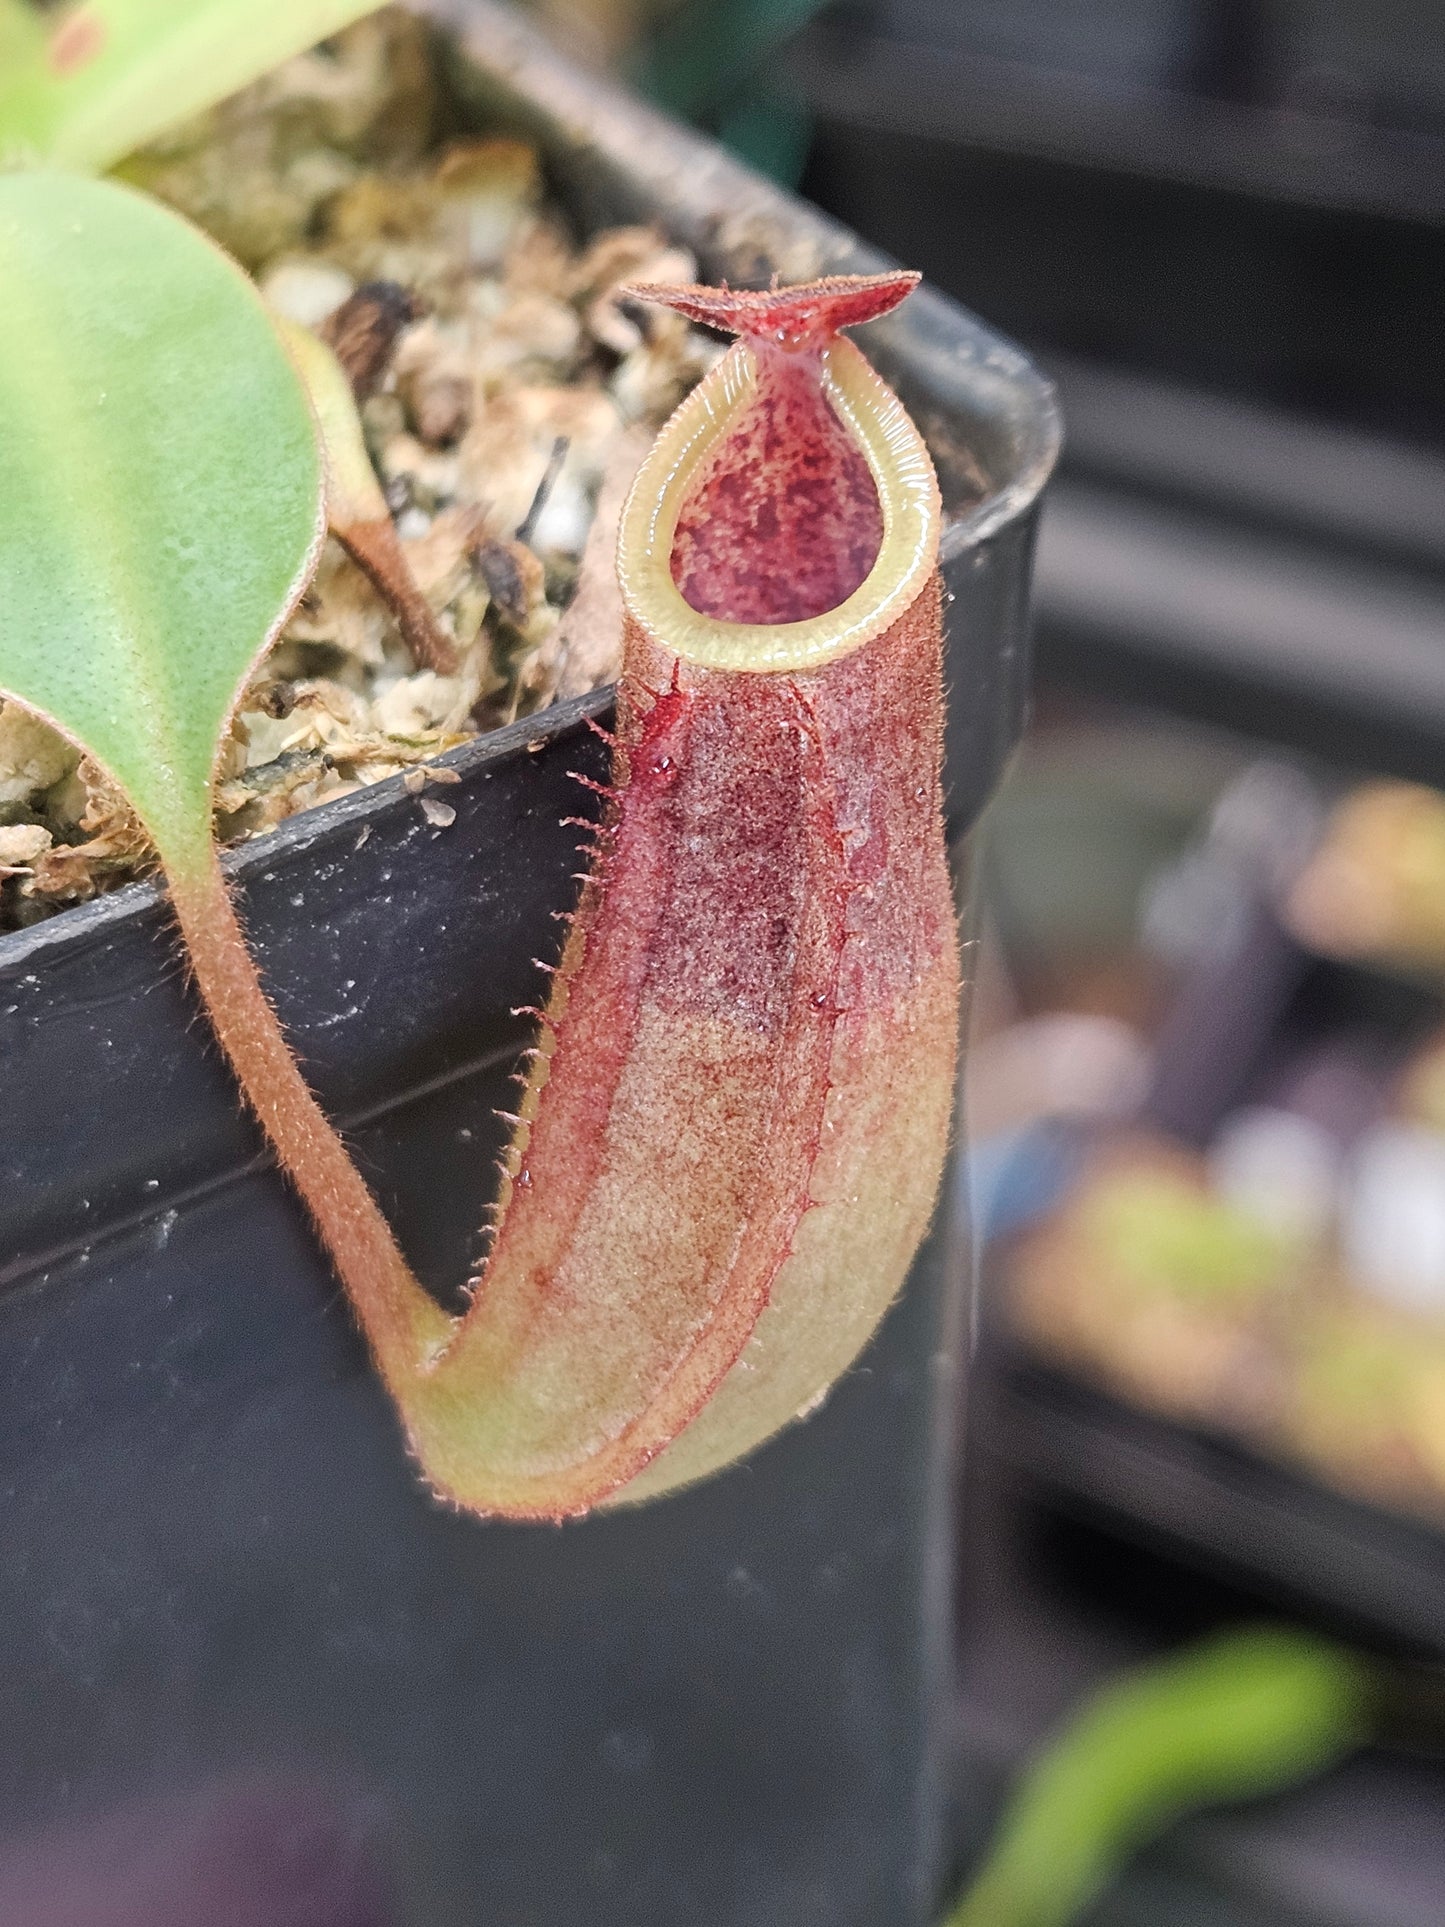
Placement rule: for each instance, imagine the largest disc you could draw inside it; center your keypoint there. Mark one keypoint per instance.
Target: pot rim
(308, 830)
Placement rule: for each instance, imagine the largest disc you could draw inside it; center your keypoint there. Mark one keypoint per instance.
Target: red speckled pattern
(784, 522)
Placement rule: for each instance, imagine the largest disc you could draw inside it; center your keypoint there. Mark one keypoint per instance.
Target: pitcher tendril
(733, 1123)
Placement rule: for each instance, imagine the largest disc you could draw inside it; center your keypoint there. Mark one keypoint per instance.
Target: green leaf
(115, 73)
(22, 47)
(160, 495)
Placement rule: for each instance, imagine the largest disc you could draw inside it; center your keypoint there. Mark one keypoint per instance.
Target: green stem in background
(1241, 1715)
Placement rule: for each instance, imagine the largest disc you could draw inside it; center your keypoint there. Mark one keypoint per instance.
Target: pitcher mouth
(907, 495)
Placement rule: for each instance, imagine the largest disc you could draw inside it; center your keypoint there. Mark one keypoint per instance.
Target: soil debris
(362, 329)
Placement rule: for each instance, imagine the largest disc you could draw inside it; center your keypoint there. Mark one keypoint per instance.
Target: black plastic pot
(250, 1672)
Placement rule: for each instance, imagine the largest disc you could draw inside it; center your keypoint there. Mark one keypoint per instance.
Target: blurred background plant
(711, 62)
(1243, 1714)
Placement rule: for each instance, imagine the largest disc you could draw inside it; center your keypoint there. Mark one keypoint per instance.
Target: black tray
(1213, 1499)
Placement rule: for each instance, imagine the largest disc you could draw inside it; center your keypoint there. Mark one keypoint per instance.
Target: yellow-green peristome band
(907, 494)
